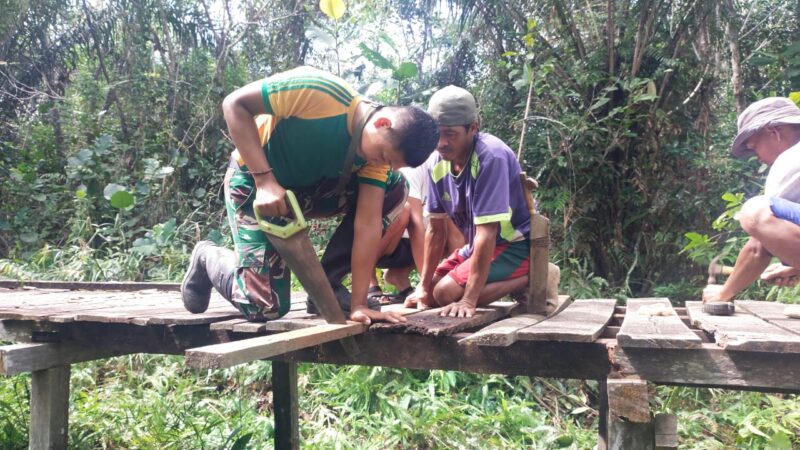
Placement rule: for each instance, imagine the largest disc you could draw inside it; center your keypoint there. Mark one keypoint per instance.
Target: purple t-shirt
(487, 190)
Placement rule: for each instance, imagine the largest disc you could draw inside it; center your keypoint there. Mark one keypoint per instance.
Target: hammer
(718, 308)
(715, 269)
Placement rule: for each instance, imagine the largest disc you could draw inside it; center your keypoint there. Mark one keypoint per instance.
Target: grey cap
(452, 105)
(771, 111)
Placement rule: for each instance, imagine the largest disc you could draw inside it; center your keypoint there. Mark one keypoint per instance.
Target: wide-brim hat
(771, 111)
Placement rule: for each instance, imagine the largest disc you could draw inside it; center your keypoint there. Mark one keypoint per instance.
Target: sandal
(374, 292)
(396, 298)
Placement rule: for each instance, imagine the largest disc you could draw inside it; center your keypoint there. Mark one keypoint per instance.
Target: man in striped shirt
(292, 131)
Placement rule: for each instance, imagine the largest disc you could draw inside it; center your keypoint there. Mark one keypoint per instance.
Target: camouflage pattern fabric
(262, 288)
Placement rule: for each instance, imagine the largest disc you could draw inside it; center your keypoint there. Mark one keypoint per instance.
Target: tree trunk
(732, 33)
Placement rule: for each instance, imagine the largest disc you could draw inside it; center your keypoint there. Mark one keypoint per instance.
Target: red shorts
(509, 261)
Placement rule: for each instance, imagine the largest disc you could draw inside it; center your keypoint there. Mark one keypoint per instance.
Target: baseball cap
(452, 105)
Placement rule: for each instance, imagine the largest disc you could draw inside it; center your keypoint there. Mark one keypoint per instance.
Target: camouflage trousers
(262, 287)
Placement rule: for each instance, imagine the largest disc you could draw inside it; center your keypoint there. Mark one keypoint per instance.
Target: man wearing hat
(474, 180)
(770, 130)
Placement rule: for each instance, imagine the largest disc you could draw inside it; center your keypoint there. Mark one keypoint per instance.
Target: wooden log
(502, 333)
(49, 408)
(23, 358)
(652, 323)
(232, 353)
(582, 321)
(430, 323)
(284, 397)
(666, 431)
(744, 332)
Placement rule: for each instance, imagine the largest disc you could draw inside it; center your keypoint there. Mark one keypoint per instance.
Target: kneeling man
(475, 182)
(770, 130)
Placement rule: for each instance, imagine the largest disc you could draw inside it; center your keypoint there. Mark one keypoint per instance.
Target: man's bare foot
(781, 275)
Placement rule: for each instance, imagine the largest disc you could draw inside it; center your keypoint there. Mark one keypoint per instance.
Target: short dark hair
(415, 134)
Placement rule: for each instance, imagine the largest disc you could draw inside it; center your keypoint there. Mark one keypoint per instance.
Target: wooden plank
(49, 408)
(502, 333)
(89, 285)
(23, 358)
(284, 397)
(711, 366)
(187, 318)
(229, 354)
(63, 310)
(771, 312)
(743, 331)
(582, 321)
(226, 325)
(652, 323)
(285, 323)
(430, 323)
(156, 311)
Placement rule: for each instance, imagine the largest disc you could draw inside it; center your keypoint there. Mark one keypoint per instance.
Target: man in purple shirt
(474, 180)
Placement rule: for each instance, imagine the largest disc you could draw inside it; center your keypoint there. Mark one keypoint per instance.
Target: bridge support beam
(284, 397)
(49, 408)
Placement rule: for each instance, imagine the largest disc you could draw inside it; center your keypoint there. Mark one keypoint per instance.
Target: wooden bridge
(57, 324)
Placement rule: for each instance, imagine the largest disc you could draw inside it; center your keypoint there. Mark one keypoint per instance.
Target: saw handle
(284, 231)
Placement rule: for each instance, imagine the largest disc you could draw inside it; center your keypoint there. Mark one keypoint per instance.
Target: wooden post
(49, 408)
(284, 397)
(537, 273)
(629, 423)
(666, 431)
(602, 420)
(539, 255)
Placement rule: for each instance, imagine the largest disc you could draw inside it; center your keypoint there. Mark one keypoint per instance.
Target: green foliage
(715, 419)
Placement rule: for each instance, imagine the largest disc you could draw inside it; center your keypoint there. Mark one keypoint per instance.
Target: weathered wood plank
(87, 285)
(430, 323)
(771, 312)
(226, 325)
(23, 358)
(582, 321)
(711, 366)
(652, 323)
(229, 354)
(49, 408)
(285, 323)
(502, 333)
(743, 331)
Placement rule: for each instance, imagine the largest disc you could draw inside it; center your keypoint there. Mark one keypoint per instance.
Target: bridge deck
(758, 348)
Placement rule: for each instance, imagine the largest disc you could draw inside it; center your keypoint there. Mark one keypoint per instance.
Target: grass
(153, 401)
